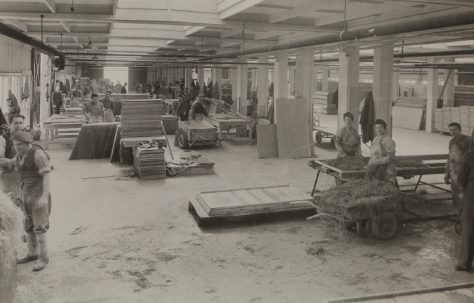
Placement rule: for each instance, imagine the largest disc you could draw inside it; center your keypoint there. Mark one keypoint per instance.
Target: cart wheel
(384, 226)
(182, 139)
(333, 142)
(318, 137)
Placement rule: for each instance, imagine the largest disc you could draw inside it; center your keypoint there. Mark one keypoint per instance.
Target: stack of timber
(464, 115)
(95, 141)
(325, 103)
(141, 118)
(118, 98)
(149, 161)
(244, 203)
(464, 95)
(170, 123)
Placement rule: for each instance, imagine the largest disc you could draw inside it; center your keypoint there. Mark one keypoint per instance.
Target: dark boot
(32, 255)
(43, 258)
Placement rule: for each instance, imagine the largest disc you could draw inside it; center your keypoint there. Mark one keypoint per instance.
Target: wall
(136, 75)
(15, 56)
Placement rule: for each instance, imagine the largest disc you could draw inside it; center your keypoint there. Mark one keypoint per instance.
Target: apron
(108, 115)
(387, 172)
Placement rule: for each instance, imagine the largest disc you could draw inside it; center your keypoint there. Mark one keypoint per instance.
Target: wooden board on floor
(292, 128)
(267, 145)
(406, 117)
(95, 141)
(456, 293)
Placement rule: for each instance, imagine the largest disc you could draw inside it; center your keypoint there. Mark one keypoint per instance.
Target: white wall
(15, 56)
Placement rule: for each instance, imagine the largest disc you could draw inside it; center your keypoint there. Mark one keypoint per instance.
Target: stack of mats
(95, 141)
(149, 161)
(170, 123)
(141, 118)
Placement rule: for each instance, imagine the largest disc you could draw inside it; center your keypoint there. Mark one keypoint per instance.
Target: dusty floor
(124, 240)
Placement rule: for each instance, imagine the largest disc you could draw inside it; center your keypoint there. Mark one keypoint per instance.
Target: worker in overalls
(32, 162)
(94, 110)
(347, 139)
(381, 165)
(458, 146)
(466, 184)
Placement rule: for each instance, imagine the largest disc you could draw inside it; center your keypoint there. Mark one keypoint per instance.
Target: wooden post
(382, 84)
(233, 78)
(431, 96)
(304, 85)
(348, 89)
(242, 77)
(262, 87)
(201, 79)
(448, 94)
(280, 83)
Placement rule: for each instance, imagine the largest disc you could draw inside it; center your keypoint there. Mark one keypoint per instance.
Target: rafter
(229, 8)
(66, 26)
(51, 5)
(16, 24)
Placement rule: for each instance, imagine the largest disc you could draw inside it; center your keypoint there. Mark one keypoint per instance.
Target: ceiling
(131, 31)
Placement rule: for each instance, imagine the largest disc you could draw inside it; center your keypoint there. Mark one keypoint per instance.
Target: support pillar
(201, 79)
(233, 79)
(348, 89)
(431, 96)
(262, 87)
(448, 94)
(218, 82)
(242, 77)
(383, 83)
(280, 83)
(325, 73)
(396, 85)
(188, 77)
(304, 85)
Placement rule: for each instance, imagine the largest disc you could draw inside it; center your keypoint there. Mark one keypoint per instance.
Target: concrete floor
(118, 239)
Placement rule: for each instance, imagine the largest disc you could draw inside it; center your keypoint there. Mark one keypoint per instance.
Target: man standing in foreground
(32, 162)
(458, 146)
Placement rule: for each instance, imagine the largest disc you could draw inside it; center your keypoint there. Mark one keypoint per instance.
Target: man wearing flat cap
(108, 106)
(32, 162)
(94, 110)
(348, 139)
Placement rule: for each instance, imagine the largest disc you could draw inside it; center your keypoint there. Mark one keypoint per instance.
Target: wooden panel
(267, 145)
(292, 129)
(407, 117)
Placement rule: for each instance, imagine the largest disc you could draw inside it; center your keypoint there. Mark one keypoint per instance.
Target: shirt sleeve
(42, 162)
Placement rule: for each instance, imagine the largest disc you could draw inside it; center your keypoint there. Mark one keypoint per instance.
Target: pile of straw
(360, 199)
(10, 238)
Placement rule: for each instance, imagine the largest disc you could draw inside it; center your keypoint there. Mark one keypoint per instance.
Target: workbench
(432, 165)
(55, 123)
(228, 121)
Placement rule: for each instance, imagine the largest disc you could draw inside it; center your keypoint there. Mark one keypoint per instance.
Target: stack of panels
(170, 123)
(95, 141)
(248, 201)
(149, 162)
(141, 118)
(323, 103)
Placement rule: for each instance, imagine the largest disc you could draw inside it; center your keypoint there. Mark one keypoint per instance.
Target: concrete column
(396, 82)
(448, 94)
(262, 87)
(188, 76)
(233, 80)
(432, 95)
(201, 79)
(383, 83)
(242, 77)
(304, 84)
(280, 76)
(325, 72)
(348, 89)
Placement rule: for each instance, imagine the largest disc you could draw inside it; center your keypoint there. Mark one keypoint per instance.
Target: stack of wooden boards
(325, 103)
(170, 123)
(464, 115)
(95, 141)
(149, 161)
(141, 118)
(118, 98)
(463, 95)
(244, 202)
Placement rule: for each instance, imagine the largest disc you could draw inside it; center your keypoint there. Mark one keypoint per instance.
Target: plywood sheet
(292, 128)
(405, 117)
(267, 145)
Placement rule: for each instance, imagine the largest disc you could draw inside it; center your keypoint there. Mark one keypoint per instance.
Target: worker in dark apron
(32, 162)
(458, 146)
(466, 183)
(381, 164)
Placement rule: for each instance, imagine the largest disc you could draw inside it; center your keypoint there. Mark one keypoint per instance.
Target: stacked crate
(464, 115)
(323, 103)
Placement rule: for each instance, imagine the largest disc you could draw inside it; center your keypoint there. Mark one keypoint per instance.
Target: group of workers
(459, 172)
(25, 178)
(96, 111)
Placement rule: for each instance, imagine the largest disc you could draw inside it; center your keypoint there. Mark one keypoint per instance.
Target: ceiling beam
(232, 32)
(51, 5)
(229, 8)
(172, 17)
(66, 26)
(21, 26)
(309, 6)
